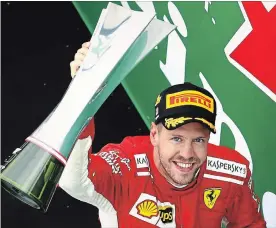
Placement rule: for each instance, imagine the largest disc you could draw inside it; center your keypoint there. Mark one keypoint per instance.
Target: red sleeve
(109, 171)
(245, 207)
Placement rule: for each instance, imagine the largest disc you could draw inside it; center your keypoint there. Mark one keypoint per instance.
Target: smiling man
(185, 115)
(171, 178)
(179, 154)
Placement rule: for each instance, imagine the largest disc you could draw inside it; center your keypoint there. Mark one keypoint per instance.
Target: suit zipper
(180, 212)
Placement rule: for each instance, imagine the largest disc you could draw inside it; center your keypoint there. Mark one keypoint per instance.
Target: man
(171, 178)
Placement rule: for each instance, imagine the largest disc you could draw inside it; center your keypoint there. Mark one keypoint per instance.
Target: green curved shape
(208, 33)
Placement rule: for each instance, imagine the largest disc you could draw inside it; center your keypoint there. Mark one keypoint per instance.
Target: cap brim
(171, 123)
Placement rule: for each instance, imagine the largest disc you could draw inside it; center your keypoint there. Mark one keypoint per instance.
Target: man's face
(179, 153)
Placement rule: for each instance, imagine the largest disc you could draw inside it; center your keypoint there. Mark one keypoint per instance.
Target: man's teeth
(184, 165)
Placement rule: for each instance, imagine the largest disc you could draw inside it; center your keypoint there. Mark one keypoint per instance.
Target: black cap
(185, 103)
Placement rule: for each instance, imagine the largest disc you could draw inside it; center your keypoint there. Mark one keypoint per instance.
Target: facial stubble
(184, 179)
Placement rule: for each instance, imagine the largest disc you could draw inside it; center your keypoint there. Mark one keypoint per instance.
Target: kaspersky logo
(225, 166)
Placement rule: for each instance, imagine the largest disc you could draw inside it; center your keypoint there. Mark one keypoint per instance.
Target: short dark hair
(159, 127)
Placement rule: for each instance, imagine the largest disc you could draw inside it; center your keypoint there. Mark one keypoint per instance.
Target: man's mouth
(183, 167)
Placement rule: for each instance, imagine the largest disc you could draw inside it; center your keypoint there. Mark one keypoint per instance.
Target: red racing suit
(124, 183)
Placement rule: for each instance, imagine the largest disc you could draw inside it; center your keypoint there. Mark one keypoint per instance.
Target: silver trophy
(121, 39)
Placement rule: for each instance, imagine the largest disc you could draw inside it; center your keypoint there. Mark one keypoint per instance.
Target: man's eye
(199, 140)
(176, 139)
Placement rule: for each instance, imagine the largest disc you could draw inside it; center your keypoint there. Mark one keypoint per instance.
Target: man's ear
(154, 134)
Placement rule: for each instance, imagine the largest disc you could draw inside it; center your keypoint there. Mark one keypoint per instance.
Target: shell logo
(147, 208)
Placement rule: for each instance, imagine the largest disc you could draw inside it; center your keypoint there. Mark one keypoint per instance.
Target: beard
(177, 178)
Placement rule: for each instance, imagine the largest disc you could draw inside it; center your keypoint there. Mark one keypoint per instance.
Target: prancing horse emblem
(210, 196)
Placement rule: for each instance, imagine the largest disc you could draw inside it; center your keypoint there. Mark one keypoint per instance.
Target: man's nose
(187, 151)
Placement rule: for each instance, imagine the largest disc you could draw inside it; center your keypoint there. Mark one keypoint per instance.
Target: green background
(249, 108)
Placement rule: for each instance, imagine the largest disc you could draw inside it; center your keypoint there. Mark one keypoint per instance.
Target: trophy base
(22, 196)
(31, 175)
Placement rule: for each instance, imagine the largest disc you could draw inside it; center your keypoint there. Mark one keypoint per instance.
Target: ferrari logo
(210, 196)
